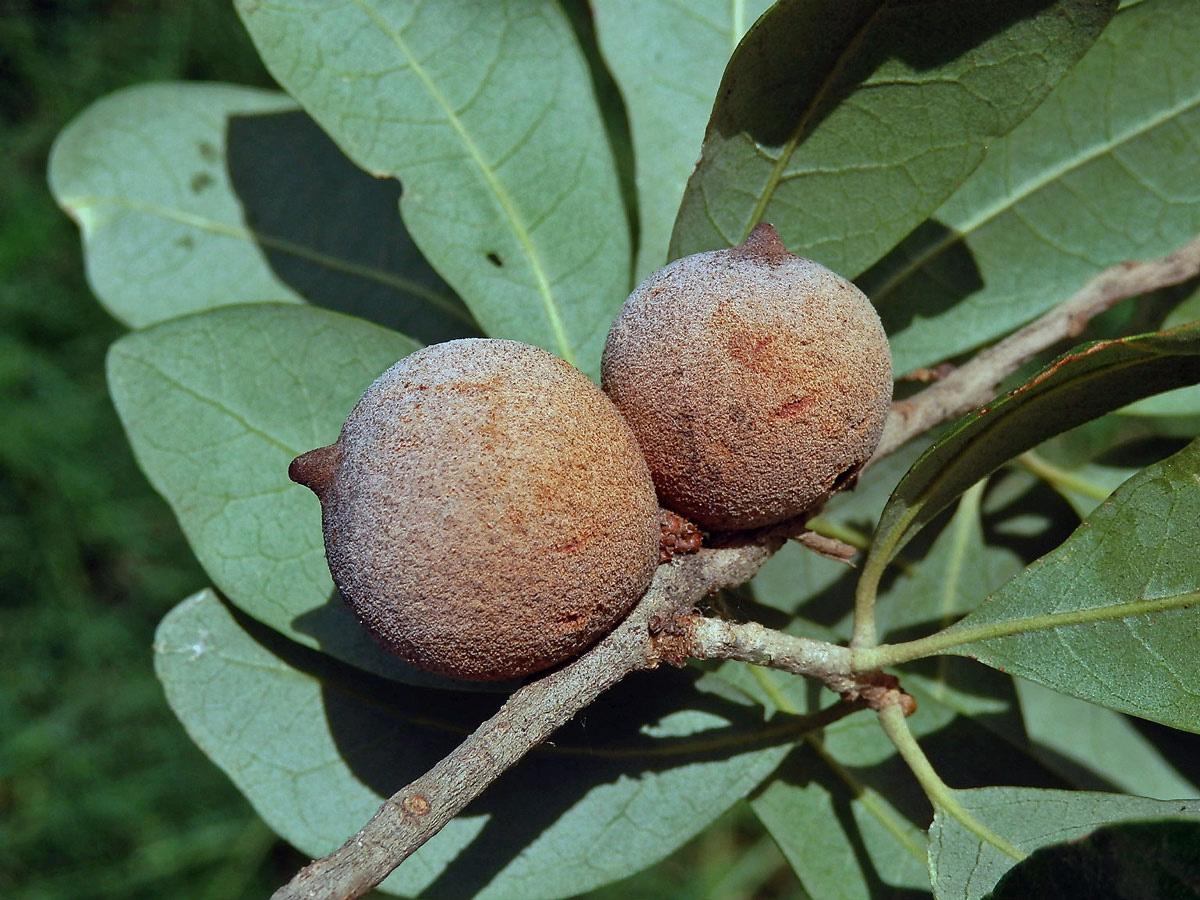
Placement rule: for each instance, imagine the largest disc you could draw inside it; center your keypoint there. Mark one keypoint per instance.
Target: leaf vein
(491, 179)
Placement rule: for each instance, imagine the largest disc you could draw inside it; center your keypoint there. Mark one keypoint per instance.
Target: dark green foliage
(1131, 861)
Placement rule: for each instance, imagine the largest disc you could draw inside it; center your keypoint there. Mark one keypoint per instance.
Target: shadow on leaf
(910, 285)
(804, 769)
(332, 232)
(624, 750)
(1126, 861)
(655, 750)
(769, 76)
(337, 632)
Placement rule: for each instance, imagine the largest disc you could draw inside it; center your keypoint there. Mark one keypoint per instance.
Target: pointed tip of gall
(763, 242)
(315, 469)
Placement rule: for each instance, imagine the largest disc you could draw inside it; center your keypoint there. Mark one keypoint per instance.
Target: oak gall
(487, 512)
(757, 382)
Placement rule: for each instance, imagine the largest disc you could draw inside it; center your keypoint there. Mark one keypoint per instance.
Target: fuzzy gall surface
(756, 382)
(487, 510)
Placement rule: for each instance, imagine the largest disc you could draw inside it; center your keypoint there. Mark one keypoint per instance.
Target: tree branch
(421, 808)
(753, 643)
(831, 664)
(977, 381)
(660, 628)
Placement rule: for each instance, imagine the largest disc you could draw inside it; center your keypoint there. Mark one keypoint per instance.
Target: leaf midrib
(491, 179)
(737, 23)
(1008, 202)
(959, 638)
(962, 636)
(121, 352)
(802, 124)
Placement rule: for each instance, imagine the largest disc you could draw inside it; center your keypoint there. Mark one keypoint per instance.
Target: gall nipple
(315, 469)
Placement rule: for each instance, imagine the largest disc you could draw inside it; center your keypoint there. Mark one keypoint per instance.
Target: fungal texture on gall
(486, 509)
(756, 382)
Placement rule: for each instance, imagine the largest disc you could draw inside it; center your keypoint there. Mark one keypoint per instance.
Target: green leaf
(1081, 385)
(142, 172)
(845, 124)
(948, 580)
(1111, 615)
(1100, 173)
(835, 797)
(1084, 487)
(986, 699)
(1096, 748)
(316, 747)
(667, 59)
(194, 196)
(1187, 311)
(963, 868)
(959, 570)
(216, 406)
(845, 811)
(1181, 402)
(1131, 861)
(823, 828)
(795, 576)
(1086, 464)
(485, 112)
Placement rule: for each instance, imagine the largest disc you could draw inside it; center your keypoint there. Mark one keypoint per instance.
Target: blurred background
(102, 795)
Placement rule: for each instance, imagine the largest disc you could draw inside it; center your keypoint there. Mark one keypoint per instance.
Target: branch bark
(421, 808)
(831, 664)
(977, 381)
(753, 643)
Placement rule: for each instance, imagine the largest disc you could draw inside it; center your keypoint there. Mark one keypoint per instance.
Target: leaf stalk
(895, 725)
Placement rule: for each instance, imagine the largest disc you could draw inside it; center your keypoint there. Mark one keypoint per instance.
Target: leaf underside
(667, 58)
(216, 406)
(963, 868)
(194, 196)
(1111, 615)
